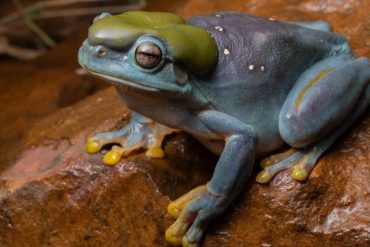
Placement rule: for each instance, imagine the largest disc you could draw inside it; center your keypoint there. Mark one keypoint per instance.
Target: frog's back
(260, 57)
(276, 48)
(259, 60)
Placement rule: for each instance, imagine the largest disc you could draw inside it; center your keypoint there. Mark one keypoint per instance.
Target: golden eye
(148, 55)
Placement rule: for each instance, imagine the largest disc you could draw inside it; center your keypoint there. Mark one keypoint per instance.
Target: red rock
(56, 194)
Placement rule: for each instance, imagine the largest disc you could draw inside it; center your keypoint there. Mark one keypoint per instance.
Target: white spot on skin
(219, 28)
(226, 52)
(321, 41)
(218, 16)
(262, 68)
(288, 116)
(272, 19)
(251, 67)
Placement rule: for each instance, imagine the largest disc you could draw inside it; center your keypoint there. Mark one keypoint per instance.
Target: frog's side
(271, 83)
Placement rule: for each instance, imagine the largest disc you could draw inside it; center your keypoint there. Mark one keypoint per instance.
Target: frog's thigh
(322, 98)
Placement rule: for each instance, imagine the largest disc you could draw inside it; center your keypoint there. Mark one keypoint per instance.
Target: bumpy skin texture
(272, 83)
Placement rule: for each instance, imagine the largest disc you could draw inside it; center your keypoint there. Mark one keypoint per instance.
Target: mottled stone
(56, 194)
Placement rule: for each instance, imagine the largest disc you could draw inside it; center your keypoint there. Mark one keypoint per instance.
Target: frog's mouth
(119, 81)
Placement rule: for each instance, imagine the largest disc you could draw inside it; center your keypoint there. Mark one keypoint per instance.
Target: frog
(248, 88)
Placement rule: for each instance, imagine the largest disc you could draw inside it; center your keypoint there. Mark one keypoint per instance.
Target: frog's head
(147, 51)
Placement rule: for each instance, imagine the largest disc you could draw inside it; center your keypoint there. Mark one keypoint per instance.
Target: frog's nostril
(101, 52)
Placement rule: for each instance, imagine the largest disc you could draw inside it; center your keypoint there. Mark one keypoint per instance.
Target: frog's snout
(96, 51)
(88, 53)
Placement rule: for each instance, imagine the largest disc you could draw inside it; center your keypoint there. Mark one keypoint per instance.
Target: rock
(34, 89)
(330, 209)
(56, 194)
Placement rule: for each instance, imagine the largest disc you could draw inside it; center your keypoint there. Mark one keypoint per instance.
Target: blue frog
(244, 86)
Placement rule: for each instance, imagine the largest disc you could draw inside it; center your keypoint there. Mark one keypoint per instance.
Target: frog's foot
(302, 161)
(193, 212)
(275, 158)
(140, 132)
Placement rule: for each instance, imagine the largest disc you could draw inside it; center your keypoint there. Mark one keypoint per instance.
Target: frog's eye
(148, 55)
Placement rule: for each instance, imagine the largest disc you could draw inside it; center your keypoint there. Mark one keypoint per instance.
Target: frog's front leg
(198, 207)
(140, 132)
(324, 103)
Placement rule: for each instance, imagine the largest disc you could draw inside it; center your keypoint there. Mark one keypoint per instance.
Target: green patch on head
(191, 46)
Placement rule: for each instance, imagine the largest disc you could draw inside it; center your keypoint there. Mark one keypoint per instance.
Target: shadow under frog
(242, 85)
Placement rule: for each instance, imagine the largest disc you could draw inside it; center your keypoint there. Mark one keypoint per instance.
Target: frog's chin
(121, 82)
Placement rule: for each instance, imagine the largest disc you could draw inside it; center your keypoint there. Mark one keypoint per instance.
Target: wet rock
(330, 209)
(32, 90)
(55, 194)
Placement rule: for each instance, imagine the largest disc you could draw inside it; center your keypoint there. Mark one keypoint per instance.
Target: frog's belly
(176, 116)
(171, 114)
(268, 140)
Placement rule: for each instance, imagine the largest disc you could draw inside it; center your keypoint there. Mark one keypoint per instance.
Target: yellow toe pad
(155, 152)
(92, 146)
(173, 211)
(263, 177)
(112, 157)
(299, 173)
(172, 239)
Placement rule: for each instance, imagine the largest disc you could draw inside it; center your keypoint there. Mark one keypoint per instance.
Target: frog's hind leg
(324, 103)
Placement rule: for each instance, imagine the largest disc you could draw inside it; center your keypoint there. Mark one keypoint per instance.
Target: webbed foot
(302, 161)
(140, 132)
(193, 212)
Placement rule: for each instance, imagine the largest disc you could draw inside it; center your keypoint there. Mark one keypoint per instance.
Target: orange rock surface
(55, 194)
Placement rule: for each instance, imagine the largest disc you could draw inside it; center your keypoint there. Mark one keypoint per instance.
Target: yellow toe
(263, 177)
(112, 157)
(172, 239)
(155, 152)
(299, 173)
(173, 211)
(92, 146)
(186, 243)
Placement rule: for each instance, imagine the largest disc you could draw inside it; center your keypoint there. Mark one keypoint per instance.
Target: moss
(191, 46)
